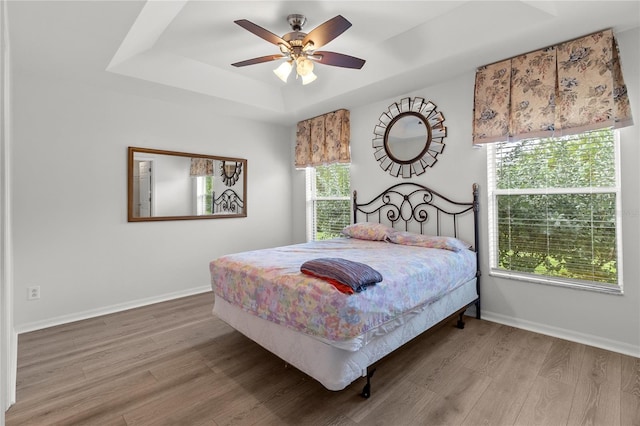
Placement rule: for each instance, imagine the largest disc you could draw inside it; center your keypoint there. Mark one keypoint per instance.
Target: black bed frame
(407, 206)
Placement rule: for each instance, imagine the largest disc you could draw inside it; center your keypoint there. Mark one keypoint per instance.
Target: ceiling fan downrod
(296, 21)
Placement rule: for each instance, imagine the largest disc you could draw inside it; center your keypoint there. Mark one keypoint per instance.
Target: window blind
(329, 200)
(554, 206)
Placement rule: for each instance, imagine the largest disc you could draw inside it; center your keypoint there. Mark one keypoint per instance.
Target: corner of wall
(8, 336)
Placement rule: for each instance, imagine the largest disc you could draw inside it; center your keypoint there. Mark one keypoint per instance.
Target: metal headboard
(409, 204)
(406, 204)
(229, 201)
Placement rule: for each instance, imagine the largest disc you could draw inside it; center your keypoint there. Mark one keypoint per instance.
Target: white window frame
(200, 195)
(492, 194)
(311, 197)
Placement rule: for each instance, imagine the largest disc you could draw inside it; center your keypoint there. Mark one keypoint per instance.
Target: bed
(422, 245)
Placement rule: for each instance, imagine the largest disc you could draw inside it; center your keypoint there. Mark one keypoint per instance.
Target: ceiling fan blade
(338, 60)
(259, 60)
(326, 32)
(261, 32)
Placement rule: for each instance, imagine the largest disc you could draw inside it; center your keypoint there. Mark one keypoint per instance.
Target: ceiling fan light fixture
(308, 78)
(304, 66)
(284, 49)
(283, 71)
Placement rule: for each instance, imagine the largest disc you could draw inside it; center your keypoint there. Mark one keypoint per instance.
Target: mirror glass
(408, 137)
(168, 185)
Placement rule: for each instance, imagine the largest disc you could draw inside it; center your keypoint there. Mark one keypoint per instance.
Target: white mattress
(336, 367)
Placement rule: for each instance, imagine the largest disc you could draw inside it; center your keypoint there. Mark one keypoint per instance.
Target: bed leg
(460, 323)
(366, 391)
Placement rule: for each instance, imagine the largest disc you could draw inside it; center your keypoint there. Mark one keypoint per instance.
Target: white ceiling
(181, 51)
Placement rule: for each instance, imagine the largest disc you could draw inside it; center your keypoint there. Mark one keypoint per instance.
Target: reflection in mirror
(408, 137)
(168, 185)
(230, 172)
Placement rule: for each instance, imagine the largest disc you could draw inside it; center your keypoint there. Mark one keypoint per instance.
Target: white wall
(8, 336)
(70, 227)
(607, 321)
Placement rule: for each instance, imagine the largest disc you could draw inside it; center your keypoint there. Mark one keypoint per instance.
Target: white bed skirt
(333, 367)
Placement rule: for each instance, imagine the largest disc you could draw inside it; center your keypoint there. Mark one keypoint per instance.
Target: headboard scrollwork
(414, 207)
(228, 202)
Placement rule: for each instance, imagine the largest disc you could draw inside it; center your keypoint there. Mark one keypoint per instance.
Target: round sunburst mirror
(408, 137)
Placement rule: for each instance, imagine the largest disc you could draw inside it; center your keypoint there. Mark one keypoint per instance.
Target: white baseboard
(561, 333)
(92, 313)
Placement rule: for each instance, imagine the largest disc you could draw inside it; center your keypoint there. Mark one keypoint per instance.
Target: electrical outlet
(33, 293)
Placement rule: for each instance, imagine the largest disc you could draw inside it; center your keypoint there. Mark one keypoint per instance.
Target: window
(204, 195)
(554, 208)
(328, 201)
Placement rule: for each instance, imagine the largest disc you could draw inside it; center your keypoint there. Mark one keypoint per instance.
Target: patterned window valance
(569, 88)
(323, 140)
(201, 167)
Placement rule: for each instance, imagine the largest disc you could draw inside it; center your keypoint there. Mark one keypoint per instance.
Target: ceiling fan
(299, 48)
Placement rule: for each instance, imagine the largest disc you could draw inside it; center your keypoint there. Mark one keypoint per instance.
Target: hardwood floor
(174, 363)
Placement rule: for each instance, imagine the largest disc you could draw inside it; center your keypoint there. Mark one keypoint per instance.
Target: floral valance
(323, 140)
(569, 88)
(201, 167)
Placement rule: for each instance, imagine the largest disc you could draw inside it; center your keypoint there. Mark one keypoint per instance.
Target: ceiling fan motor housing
(295, 39)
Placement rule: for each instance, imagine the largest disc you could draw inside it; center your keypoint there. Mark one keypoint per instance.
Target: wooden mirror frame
(435, 132)
(231, 199)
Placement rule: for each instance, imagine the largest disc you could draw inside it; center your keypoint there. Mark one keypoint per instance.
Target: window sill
(575, 285)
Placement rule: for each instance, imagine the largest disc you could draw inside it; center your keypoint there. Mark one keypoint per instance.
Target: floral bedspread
(269, 284)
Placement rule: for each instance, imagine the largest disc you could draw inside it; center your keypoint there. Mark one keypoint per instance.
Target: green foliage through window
(204, 195)
(555, 207)
(328, 188)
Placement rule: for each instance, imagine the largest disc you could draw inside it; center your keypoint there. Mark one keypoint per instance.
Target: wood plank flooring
(175, 363)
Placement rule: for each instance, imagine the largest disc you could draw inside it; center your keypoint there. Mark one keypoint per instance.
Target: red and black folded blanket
(345, 275)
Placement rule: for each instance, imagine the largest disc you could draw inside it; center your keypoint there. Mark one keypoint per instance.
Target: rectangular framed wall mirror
(169, 185)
